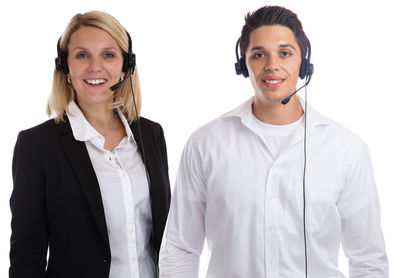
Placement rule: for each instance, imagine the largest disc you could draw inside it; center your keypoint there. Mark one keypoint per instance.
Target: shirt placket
(273, 206)
(129, 212)
(271, 223)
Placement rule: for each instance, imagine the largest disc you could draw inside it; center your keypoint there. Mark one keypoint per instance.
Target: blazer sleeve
(29, 237)
(164, 160)
(161, 195)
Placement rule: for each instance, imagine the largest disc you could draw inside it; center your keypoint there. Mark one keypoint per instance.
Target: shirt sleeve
(184, 235)
(362, 237)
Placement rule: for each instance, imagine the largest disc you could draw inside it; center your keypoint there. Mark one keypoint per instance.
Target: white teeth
(272, 81)
(95, 81)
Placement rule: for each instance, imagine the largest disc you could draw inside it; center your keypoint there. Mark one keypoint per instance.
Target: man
(243, 177)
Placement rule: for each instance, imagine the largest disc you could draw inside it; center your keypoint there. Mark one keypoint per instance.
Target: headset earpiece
(241, 68)
(129, 58)
(306, 68)
(240, 65)
(61, 60)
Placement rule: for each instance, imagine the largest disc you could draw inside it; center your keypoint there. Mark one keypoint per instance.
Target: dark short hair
(273, 15)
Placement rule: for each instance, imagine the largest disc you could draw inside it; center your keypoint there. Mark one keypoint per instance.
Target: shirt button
(271, 261)
(270, 228)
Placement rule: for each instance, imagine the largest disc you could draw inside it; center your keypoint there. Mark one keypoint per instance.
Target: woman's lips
(95, 81)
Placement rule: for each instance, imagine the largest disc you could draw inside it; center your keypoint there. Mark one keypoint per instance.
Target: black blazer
(56, 202)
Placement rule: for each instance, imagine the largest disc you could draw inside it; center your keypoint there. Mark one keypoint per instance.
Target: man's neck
(275, 113)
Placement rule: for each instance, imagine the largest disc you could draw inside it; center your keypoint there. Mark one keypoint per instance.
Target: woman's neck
(101, 117)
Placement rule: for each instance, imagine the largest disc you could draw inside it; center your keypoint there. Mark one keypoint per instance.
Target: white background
(185, 56)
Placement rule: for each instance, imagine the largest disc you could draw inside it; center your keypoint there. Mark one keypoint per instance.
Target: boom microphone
(287, 99)
(116, 85)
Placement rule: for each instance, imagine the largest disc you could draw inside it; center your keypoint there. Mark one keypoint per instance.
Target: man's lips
(273, 82)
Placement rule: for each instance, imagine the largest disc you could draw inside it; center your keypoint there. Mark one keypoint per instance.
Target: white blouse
(125, 193)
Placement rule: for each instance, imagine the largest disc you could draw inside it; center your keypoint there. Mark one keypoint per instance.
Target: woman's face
(95, 64)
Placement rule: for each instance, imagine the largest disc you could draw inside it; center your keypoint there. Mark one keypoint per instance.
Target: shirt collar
(126, 125)
(84, 131)
(245, 113)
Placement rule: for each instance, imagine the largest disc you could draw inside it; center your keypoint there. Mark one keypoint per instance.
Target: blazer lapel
(159, 182)
(136, 135)
(80, 162)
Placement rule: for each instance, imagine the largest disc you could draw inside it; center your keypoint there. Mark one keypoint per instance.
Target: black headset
(306, 68)
(128, 65)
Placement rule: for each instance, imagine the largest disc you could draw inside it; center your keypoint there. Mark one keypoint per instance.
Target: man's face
(273, 59)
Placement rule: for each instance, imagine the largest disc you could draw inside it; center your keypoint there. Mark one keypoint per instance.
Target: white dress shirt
(248, 204)
(125, 194)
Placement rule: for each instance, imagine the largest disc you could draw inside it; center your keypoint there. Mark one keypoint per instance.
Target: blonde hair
(62, 92)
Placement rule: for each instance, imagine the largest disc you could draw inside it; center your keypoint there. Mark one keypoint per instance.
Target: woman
(81, 188)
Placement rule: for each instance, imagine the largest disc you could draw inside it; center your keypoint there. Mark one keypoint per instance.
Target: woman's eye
(108, 55)
(82, 55)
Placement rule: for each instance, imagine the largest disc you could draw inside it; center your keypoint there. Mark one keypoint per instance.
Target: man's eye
(258, 55)
(81, 55)
(286, 53)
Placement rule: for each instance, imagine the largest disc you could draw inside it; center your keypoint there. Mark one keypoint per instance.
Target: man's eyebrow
(256, 48)
(287, 46)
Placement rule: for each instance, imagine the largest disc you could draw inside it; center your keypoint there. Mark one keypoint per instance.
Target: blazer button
(105, 261)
